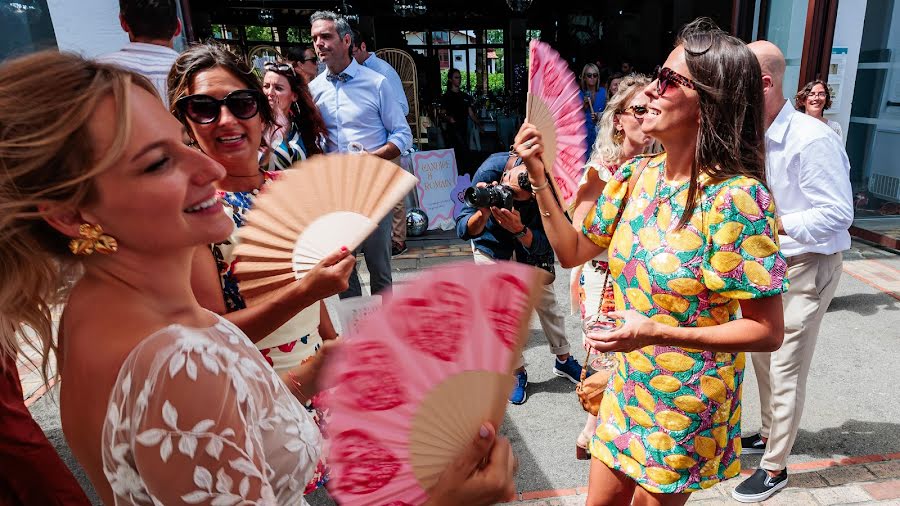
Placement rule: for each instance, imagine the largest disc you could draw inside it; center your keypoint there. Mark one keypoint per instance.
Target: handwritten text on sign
(437, 173)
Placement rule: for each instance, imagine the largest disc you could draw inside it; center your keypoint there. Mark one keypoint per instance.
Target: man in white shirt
(361, 54)
(809, 175)
(358, 107)
(151, 25)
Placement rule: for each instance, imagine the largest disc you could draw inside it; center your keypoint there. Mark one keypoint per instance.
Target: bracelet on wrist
(538, 187)
(298, 386)
(522, 233)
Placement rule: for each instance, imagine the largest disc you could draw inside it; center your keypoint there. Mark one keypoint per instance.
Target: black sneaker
(753, 445)
(398, 248)
(760, 486)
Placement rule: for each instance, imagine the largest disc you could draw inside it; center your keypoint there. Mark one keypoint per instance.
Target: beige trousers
(781, 375)
(552, 320)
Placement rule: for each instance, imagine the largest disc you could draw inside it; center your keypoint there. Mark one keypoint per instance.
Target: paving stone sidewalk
(873, 482)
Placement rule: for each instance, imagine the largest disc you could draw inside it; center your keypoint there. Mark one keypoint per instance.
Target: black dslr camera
(500, 195)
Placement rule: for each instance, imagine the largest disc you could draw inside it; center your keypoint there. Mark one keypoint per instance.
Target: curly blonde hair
(47, 162)
(607, 149)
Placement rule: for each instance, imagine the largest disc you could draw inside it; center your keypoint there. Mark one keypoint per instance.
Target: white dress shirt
(384, 68)
(361, 108)
(809, 175)
(150, 60)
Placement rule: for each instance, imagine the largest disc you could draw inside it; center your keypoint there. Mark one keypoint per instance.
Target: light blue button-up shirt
(360, 109)
(384, 68)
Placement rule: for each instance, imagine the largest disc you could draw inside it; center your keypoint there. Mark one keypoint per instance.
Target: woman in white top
(814, 99)
(619, 139)
(164, 402)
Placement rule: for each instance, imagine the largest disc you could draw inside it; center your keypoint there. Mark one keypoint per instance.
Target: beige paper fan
(310, 211)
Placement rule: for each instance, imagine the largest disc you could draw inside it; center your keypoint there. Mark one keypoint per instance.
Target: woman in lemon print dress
(696, 270)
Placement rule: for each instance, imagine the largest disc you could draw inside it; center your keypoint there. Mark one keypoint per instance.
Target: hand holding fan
(415, 384)
(556, 108)
(309, 211)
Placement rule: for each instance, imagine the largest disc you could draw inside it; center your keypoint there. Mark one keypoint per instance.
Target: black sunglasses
(591, 74)
(279, 67)
(204, 109)
(666, 76)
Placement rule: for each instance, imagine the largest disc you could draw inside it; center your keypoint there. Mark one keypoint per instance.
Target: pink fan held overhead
(555, 107)
(455, 333)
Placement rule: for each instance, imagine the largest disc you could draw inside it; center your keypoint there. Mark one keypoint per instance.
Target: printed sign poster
(836, 69)
(437, 175)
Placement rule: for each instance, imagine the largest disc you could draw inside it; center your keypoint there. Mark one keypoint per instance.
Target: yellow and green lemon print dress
(670, 417)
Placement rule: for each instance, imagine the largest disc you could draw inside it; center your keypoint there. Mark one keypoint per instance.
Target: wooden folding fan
(312, 210)
(419, 377)
(554, 107)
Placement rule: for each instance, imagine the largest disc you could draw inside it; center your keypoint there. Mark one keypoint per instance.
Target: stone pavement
(865, 480)
(848, 450)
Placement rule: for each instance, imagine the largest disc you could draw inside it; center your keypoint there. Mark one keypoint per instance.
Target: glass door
(873, 137)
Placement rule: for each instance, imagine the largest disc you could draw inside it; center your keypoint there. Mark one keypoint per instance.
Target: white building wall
(848, 31)
(88, 27)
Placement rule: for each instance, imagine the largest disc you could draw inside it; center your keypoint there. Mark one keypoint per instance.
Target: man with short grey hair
(358, 107)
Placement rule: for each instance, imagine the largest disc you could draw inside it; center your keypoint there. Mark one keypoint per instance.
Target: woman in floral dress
(696, 269)
(296, 331)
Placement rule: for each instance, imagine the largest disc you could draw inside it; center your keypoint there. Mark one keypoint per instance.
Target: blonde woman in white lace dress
(619, 139)
(162, 401)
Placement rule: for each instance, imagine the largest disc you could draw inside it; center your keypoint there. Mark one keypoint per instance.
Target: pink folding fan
(554, 106)
(455, 333)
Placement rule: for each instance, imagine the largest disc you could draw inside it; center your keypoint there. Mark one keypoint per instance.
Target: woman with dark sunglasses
(696, 269)
(619, 139)
(594, 96)
(298, 130)
(221, 105)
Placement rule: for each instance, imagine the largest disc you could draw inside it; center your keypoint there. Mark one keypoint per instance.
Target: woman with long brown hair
(298, 131)
(163, 402)
(696, 270)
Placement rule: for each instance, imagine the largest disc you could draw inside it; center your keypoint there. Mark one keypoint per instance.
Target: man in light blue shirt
(358, 106)
(361, 45)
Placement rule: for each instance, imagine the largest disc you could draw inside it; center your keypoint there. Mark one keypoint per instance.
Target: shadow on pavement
(864, 304)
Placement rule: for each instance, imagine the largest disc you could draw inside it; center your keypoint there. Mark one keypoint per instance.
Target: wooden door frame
(817, 41)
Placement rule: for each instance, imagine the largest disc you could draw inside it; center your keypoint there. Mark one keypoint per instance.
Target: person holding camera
(502, 221)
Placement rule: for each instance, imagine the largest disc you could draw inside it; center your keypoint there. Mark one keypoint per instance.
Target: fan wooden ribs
(310, 211)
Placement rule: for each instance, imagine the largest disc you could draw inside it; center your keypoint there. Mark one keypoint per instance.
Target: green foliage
(496, 82)
(259, 33)
(297, 35)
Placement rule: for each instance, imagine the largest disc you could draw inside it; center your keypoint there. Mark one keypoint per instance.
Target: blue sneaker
(570, 369)
(518, 395)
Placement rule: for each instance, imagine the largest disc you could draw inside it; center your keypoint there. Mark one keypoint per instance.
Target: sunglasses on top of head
(666, 76)
(204, 109)
(278, 67)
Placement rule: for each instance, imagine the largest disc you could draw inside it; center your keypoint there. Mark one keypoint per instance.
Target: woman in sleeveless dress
(696, 270)
(162, 401)
(620, 138)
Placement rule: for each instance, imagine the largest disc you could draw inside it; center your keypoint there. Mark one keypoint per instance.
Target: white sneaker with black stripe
(760, 486)
(753, 445)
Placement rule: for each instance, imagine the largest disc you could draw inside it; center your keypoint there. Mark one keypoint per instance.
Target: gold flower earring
(93, 239)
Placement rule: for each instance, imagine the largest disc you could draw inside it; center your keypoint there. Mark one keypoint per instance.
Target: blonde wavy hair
(607, 149)
(588, 67)
(47, 162)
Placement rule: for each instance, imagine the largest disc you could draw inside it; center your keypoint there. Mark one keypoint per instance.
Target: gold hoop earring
(93, 239)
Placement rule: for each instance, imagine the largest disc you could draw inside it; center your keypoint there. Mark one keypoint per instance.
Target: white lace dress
(198, 417)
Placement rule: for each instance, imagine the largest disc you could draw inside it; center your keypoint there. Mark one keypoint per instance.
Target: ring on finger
(528, 144)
